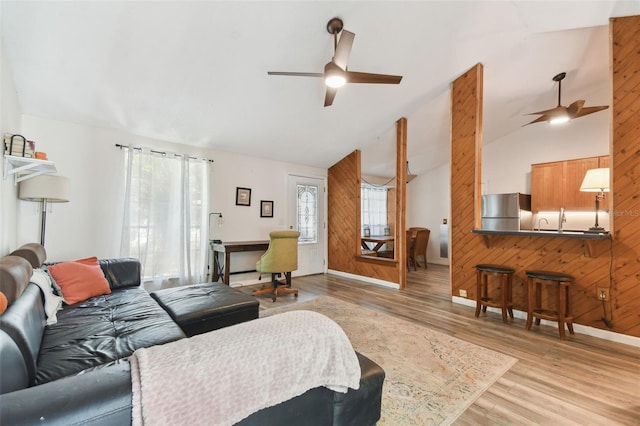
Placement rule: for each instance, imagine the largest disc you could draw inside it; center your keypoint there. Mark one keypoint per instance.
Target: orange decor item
(41, 155)
(79, 280)
(3, 302)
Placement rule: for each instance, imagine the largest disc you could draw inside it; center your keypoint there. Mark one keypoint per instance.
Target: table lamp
(45, 189)
(596, 180)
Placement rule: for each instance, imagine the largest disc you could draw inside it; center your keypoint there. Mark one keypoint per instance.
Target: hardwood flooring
(582, 381)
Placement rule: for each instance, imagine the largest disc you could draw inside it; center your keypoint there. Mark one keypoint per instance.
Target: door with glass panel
(306, 215)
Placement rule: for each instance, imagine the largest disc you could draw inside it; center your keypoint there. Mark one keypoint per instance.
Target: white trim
(583, 329)
(363, 278)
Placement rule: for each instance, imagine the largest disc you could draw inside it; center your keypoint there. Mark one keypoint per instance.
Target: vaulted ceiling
(196, 72)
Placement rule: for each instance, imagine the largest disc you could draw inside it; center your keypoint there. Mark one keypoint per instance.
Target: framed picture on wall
(243, 196)
(266, 208)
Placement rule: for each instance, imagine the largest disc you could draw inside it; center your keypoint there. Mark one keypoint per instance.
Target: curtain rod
(161, 152)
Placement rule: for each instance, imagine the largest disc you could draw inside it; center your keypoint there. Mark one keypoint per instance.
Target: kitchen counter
(589, 238)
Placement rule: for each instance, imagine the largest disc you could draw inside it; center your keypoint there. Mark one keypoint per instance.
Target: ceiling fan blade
(590, 110)
(296, 74)
(330, 95)
(538, 120)
(343, 49)
(364, 77)
(575, 108)
(548, 111)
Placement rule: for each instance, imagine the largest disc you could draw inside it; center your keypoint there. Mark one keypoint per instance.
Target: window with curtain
(374, 208)
(165, 217)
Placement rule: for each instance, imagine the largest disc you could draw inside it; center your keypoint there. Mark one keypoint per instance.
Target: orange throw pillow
(3, 302)
(80, 279)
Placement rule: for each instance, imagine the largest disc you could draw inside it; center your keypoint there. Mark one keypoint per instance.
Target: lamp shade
(596, 180)
(52, 188)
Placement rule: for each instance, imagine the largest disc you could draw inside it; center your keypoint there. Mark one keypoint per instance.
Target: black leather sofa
(76, 371)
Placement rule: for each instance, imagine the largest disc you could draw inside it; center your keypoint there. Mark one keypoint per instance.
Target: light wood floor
(582, 381)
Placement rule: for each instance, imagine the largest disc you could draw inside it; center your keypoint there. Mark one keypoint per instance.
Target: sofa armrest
(101, 396)
(123, 272)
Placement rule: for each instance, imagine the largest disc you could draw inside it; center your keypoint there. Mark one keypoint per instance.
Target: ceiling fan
(335, 72)
(561, 114)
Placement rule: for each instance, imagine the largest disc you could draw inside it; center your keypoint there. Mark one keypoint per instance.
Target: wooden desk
(378, 240)
(221, 269)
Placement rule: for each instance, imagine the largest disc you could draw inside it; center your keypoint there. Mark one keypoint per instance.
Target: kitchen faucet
(540, 220)
(561, 219)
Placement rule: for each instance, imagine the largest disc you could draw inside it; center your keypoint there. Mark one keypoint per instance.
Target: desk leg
(227, 266)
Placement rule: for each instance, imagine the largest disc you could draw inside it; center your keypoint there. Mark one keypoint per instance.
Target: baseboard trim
(578, 328)
(365, 279)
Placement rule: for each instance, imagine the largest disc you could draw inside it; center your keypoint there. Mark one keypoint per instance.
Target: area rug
(431, 378)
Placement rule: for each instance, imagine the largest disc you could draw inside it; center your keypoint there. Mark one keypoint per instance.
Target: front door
(306, 215)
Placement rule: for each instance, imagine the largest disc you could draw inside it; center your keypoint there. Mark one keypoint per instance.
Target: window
(307, 209)
(374, 209)
(165, 218)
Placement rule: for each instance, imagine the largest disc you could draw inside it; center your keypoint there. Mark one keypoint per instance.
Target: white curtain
(374, 209)
(165, 217)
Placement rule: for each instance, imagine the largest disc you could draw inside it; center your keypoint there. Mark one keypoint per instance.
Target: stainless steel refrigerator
(507, 212)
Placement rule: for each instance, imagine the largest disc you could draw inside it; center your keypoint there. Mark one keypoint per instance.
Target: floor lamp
(45, 189)
(596, 180)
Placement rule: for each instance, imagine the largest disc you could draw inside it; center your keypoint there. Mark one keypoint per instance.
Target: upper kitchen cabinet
(556, 185)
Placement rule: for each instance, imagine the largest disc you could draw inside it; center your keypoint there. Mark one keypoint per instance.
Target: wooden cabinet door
(574, 174)
(547, 186)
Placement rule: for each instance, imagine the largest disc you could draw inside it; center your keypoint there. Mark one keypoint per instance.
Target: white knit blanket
(223, 376)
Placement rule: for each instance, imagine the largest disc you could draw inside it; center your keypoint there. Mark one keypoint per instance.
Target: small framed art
(243, 196)
(266, 208)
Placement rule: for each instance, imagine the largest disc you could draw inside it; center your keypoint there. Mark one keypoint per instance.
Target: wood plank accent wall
(343, 193)
(466, 134)
(625, 63)
(621, 255)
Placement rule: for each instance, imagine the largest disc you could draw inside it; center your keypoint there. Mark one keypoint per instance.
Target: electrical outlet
(603, 293)
(463, 293)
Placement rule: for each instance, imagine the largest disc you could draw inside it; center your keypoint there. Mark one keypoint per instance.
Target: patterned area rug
(431, 378)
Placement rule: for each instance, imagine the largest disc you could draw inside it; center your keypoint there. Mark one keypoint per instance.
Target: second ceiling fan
(562, 114)
(335, 72)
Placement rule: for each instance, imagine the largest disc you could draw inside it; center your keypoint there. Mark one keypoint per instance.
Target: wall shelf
(23, 168)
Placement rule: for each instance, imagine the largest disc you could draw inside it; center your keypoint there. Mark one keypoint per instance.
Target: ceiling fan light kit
(335, 73)
(562, 114)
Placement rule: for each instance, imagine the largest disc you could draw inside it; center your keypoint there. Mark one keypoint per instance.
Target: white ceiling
(196, 72)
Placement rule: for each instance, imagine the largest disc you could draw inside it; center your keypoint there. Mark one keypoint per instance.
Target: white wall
(90, 223)
(9, 123)
(428, 203)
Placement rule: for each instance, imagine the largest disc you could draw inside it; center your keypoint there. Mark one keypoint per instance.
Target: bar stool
(562, 313)
(483, 271)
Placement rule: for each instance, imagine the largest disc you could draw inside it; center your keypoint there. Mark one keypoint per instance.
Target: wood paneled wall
(343, 193)
(625, 63)
(621, 255)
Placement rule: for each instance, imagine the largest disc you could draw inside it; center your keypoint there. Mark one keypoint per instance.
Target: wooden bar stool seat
(483, 272)
(562, 312)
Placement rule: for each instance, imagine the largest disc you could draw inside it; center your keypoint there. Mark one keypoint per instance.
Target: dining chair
(419, 250)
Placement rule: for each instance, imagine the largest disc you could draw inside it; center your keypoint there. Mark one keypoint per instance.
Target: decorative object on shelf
(596, 180)
(266, 208)
(366, 231)
(18, 145)
(39, 155)
(243, 196)
(45, 189)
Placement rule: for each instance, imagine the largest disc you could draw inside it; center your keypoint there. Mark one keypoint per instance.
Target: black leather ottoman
(201, 308)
